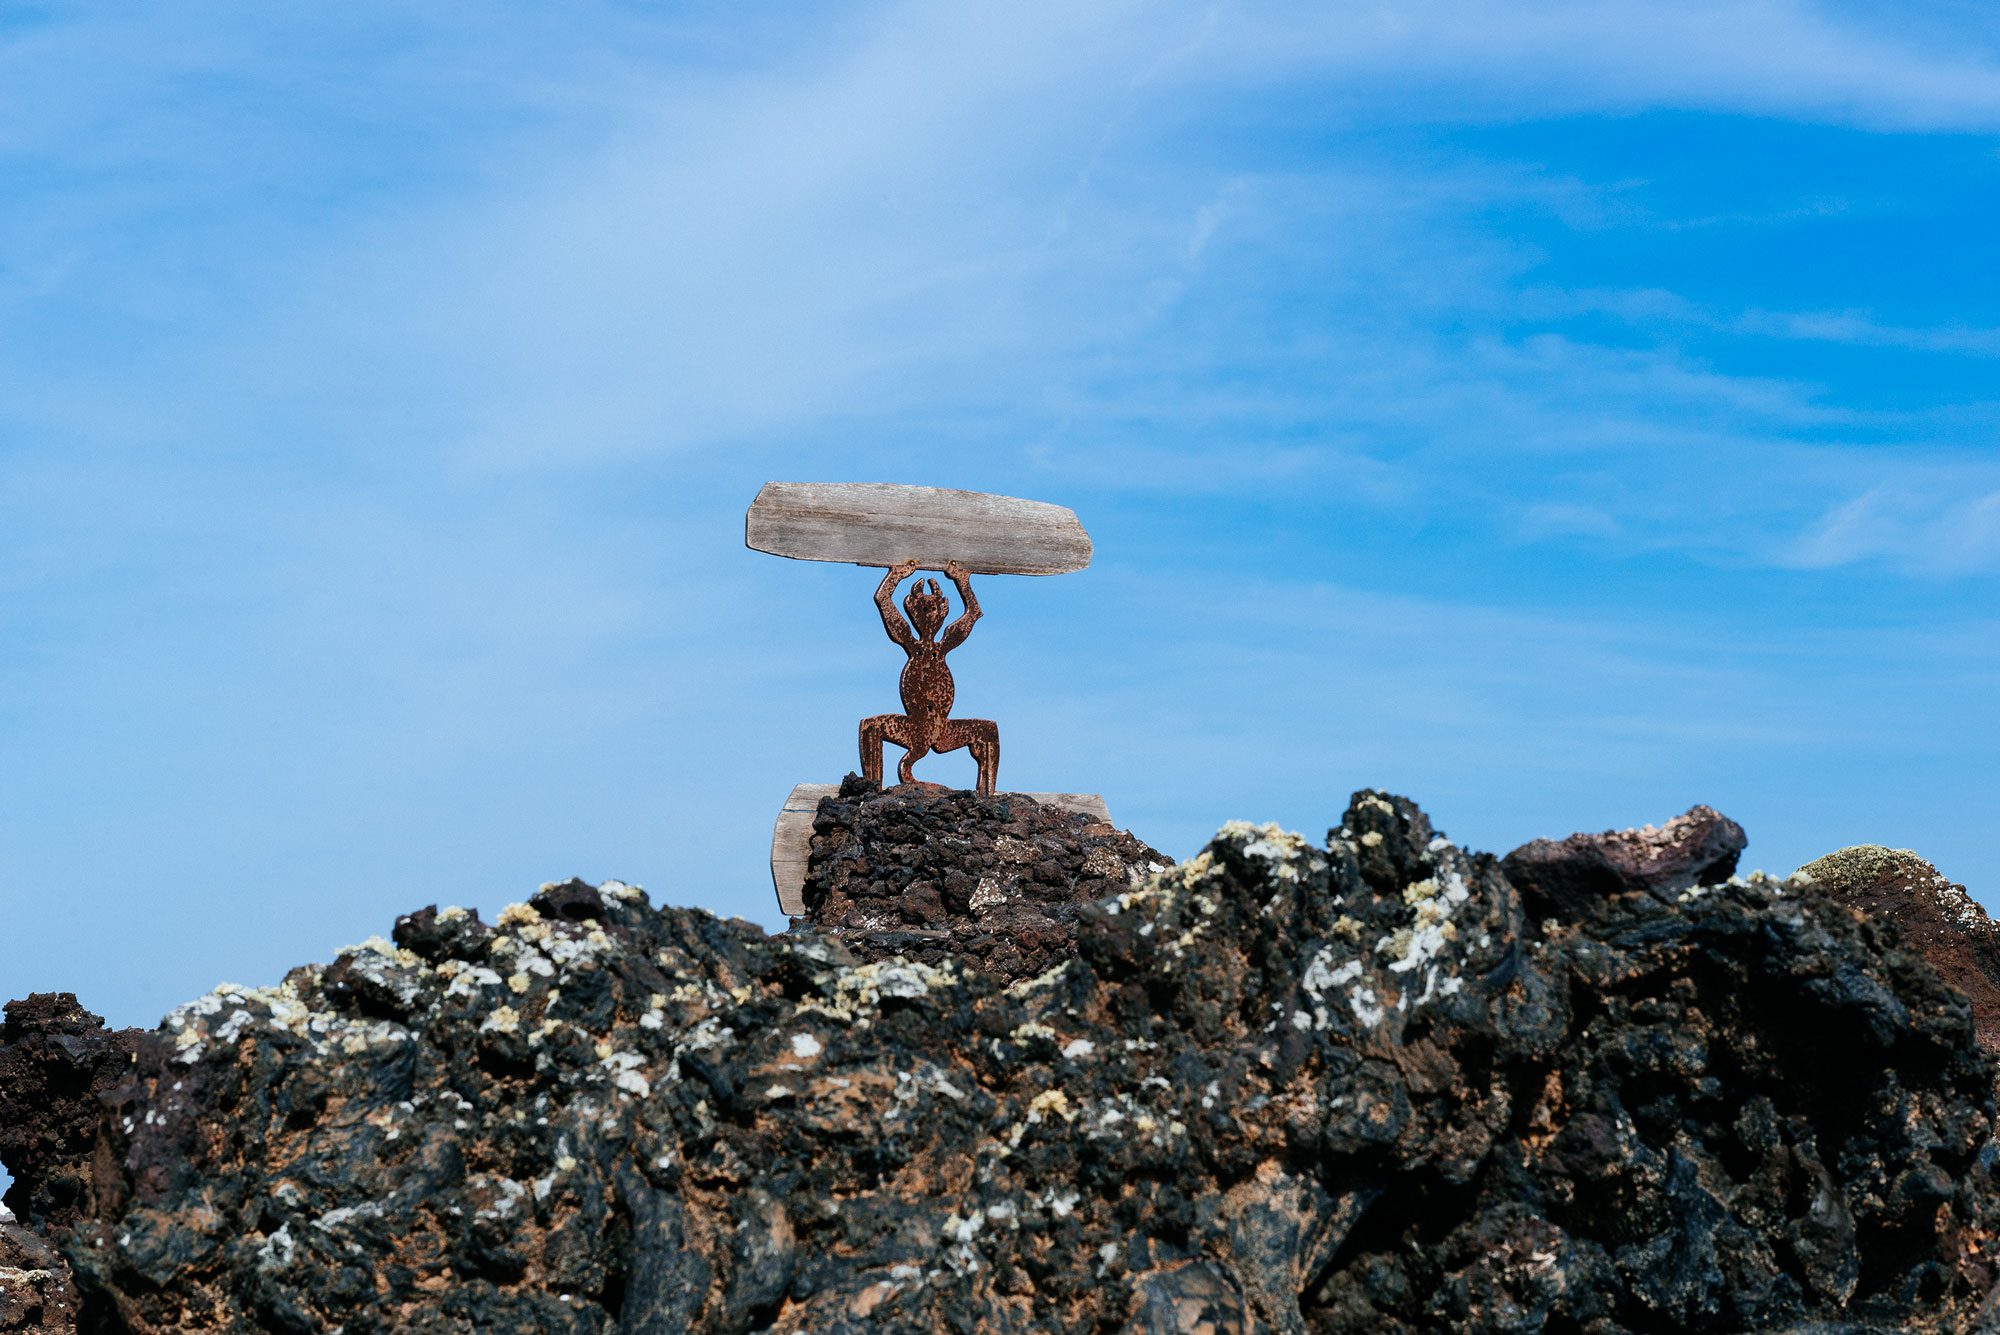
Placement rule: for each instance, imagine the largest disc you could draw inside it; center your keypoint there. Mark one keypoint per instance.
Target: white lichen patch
(1102, 862)
(1366, 1005)
(1420, 945)
(859, 992)
(624, 1068)
(357, 1036)
(1051, 1101)
(1008, 848)
(276, 1252)
(988, 893)
(1041, 980)
(1289, 853)
(1320, 981)
(333, 1219)
(518, 915)
(231, 1013)
(502, 1194)
(384, 949)
(1195, 870)
(470, 979)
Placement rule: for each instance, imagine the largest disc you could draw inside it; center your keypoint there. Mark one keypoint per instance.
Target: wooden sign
(885, 524)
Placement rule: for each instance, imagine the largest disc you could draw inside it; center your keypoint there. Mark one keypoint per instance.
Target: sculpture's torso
(927, 688)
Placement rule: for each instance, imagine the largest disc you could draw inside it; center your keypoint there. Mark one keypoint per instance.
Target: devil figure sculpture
(926, 725)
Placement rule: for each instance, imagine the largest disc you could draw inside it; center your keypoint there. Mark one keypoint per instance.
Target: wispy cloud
(1854, 328)
(1860, 329)
(380, 388)
(1939, 531)
(1770, 57)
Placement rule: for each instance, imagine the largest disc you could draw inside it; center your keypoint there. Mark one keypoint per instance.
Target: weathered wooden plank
(791, 835)
(791, 844)
(883, 523)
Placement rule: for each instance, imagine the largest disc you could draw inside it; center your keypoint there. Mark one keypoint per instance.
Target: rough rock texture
(1566, 877)
(36, 1297)
(996, 882)
(56, 1059)
(1339, 1090)
(1937, 919)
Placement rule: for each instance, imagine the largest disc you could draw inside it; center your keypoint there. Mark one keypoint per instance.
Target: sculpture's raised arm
(885, 595)
(955, 633)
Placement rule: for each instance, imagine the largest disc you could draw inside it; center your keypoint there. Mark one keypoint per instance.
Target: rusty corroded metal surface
(926, 725)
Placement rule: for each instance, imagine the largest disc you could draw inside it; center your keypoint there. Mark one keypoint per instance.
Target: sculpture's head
(926, 611)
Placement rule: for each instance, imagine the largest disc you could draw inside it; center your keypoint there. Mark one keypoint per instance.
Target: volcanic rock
(1351, 1089)
(995, 881)
(1566, 877)
(56, 1060)
(36, 1297)
(1937, 919)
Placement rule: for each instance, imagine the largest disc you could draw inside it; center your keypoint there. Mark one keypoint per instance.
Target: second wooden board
(882, 523)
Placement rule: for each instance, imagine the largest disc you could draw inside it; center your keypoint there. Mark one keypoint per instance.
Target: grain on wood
(882, 523)
(791, 844)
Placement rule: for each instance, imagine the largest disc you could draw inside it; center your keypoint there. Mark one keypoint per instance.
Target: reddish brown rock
(996, 881)
(1936, 917)
(1567, 878)
(36, 1296)
(57, 1058)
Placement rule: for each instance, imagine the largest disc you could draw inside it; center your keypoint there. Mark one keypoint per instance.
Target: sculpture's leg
(875, 731)
(913, 751)
(983, 736)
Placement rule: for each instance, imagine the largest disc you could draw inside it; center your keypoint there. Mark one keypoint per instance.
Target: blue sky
(1560, 414)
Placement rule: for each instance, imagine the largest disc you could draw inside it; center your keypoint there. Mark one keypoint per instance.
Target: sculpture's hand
(902, 570)
(955, 633)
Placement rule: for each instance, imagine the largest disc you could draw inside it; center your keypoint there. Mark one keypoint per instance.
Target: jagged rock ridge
(1341, 1089)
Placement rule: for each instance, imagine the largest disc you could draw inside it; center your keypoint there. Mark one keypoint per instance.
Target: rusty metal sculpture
(926, 725)
(906, 529)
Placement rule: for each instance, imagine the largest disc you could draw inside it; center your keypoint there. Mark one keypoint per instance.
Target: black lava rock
(994, 881)
(1357, 1088)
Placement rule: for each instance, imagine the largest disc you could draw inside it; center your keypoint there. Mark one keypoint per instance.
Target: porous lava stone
(36, 1296)
(1316, 1089)
(995, 881)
